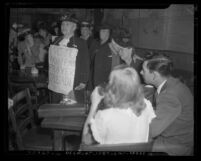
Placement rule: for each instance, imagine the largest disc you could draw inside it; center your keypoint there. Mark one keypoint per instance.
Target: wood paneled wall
(164, 29)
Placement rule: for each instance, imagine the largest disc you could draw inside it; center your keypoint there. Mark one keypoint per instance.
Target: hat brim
(123, 44)
(85, 25)
(70, 20)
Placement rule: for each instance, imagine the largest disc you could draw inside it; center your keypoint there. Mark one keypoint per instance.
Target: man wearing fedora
(68, 27)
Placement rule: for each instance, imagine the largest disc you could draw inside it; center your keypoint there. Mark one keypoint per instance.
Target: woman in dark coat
(102, 57)
(68, 27)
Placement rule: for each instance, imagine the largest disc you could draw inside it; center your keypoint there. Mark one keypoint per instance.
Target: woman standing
(102, 57)
(81, 64)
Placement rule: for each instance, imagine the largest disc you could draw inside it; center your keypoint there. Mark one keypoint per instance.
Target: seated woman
(127, 115)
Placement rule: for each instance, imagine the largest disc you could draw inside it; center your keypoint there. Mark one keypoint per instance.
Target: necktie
(154, 99)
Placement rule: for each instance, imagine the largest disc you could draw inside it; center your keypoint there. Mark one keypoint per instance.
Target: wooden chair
(35, 92)
(28, 136)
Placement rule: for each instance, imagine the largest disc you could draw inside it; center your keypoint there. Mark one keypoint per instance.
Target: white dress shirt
(160, 86)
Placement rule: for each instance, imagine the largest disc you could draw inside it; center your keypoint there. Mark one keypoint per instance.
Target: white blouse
(114, 125)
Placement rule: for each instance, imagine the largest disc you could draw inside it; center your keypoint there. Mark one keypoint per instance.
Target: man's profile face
(146, 74)
(68, 27)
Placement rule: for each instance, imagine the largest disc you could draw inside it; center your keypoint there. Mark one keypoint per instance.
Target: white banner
(61, 68)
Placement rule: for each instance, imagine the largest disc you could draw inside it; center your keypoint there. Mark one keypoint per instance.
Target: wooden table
(64, 126)
(64, 119)
(25, 76)
(38, 84)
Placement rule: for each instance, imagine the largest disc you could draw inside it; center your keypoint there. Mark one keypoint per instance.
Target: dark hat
(69, 17)
(24, 31)
(16, 26)
(124, 33)
(105, 26)
(54, 25)
(85, 23)
(120, 42)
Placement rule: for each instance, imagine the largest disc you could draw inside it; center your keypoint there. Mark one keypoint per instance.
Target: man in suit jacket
(173, 129)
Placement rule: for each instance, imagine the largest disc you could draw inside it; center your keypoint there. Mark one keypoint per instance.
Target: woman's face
(67, 27)
(104, 34)
(85, 31)
(30, 40)
(43, 33)
(125, 53)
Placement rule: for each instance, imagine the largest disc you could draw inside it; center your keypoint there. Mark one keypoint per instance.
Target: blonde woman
(127, 115)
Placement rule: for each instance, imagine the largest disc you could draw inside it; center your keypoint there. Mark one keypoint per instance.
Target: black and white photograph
(97, 79)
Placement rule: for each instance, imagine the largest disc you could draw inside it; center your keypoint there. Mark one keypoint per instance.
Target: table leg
(58, 138)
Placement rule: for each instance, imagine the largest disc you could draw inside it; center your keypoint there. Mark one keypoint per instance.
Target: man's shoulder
(174, 84)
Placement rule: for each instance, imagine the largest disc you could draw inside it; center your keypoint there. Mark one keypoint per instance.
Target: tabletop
(25, 76)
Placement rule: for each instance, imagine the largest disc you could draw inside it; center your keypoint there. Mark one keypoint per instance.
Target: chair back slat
(21, 114)
(15, 87)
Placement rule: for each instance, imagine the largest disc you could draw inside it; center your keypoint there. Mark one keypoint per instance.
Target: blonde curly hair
(124, 90)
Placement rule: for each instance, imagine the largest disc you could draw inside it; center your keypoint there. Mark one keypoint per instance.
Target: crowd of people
(128, 117)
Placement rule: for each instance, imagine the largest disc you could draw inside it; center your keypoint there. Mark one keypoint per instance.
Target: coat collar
(70, 44)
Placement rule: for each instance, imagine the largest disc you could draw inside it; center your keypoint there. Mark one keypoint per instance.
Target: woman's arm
(95, 99)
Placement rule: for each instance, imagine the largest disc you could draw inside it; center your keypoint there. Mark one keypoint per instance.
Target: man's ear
(156, 74)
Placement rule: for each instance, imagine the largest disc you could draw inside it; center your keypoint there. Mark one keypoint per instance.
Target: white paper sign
(61, 68)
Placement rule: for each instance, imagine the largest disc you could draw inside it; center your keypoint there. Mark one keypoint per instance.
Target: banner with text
(61, 68)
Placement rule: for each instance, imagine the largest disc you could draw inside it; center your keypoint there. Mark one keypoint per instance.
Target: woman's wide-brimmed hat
(24, 31)
(85, 23)
(71, 17)
(121, 43)
(105, 26)
(124, 33)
